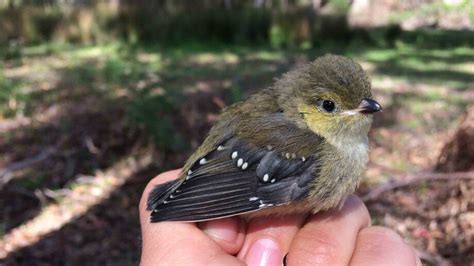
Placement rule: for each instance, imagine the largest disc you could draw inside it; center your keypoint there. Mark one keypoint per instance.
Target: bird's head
(331, 96)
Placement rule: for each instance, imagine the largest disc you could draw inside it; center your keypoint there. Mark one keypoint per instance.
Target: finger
(329, 238)
(382, 246)
(268, 239)
(228, 233)
(176, 242)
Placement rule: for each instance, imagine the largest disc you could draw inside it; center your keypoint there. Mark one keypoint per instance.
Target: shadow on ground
(108, 234)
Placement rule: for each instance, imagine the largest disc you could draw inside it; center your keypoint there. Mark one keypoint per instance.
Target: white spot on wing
(245, 165)
(263, 205)
(234, 155)
(220, 148)
(303, 159)
(203, 161)
(190, 172)
(240, 161)
(253, 199)
(266, 177)
(273, 180)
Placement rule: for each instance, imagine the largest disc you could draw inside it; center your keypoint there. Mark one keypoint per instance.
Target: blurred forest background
(97, 97)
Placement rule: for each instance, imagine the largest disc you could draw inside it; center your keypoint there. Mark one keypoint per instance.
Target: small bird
(299, 146)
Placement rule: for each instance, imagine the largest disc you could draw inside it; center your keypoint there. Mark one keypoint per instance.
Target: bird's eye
(328, 106)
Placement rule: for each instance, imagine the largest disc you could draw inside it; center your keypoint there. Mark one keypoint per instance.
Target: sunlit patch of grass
(266, 55)
(424, 59)
(149, 58)
(53, 72)
(91, 52)
(446, 53)
(376, 55)
(46, 48)
(466, 67)
(450, 68)
(213, 58)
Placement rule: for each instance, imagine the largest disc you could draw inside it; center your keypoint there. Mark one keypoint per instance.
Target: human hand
(335, 237)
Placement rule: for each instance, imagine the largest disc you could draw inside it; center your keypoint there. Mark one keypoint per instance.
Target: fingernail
(284, 259)
(224, 229)
(264, 252)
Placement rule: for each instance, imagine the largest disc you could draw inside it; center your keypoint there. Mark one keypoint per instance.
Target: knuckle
(317, 250)
(382, 234)
(382, 243)
(376, 239)
(365, 213)
(355, 203)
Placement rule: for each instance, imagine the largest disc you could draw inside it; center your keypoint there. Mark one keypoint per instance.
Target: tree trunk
(458, 153)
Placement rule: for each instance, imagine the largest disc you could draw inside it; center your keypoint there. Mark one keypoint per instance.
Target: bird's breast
(340, 173)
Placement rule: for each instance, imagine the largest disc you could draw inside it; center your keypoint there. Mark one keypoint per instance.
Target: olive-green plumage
(301, 145)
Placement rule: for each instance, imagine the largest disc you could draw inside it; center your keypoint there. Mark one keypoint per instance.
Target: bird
(299, 146)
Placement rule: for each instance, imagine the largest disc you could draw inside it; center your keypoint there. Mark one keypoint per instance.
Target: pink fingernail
(224, 229)
(264, 252)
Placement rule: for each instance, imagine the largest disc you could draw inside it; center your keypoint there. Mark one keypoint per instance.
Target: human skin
(335, 237)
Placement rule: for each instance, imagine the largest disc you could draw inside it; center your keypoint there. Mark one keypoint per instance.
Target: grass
(116, 70)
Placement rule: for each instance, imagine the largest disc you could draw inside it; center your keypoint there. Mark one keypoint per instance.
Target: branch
(432, 258)
(7, 172)
(413, 179)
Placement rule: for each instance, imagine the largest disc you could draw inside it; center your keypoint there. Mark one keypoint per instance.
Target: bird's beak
(369, 106)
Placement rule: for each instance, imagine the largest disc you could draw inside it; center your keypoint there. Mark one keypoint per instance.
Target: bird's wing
(234, 178)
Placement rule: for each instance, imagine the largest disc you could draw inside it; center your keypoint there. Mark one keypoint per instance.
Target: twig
(7, 173)
(431, 258)
(55, 194)
(386, 168)
(413, 179)
(14, 124)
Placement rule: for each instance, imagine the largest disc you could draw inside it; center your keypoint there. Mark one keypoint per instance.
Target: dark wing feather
(234, 178)
(159, 194)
